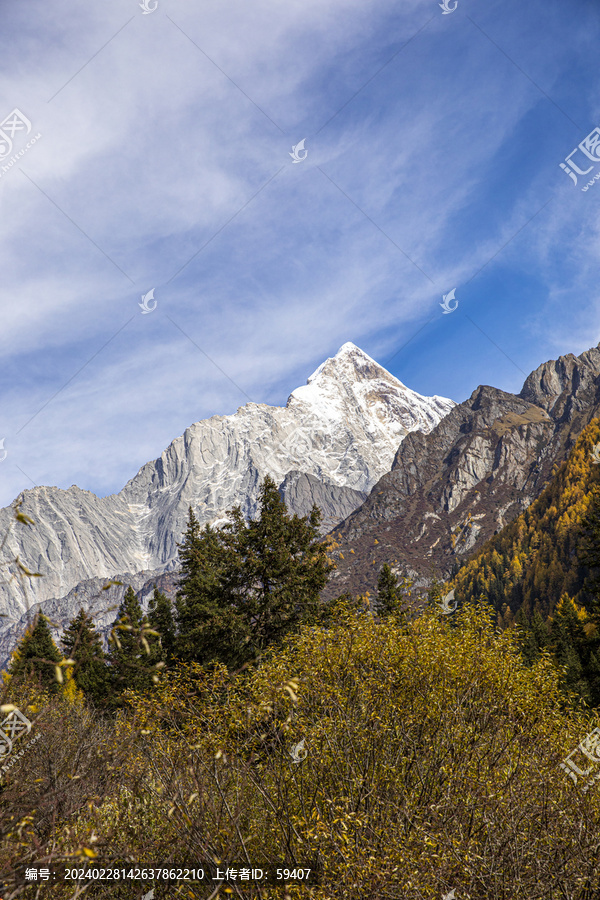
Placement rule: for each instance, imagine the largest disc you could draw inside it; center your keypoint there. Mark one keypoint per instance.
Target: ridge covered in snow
(334, 439)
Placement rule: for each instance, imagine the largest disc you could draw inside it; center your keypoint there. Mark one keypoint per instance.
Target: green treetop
(36, 656)
(247, 585)
(82, 643)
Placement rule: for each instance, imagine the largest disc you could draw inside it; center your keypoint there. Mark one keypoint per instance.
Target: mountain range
(419, 482)
(334, 439)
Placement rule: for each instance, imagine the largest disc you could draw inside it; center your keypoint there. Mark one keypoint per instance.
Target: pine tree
(160, 617)
(279, 572)
(206, 628)
(574, 679)
(593, 675)
(82, 643)
(245, 586)
(569, 645)
(539, 630)
(588, 553)
(390, 596)
(36, 656)
(128, 654)
(534, 636)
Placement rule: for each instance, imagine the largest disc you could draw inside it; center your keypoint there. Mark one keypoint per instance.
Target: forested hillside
(541, 570)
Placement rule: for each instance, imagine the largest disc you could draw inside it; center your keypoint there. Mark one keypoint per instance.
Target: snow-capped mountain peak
(351, 383)
(336, 436)
(350, 364)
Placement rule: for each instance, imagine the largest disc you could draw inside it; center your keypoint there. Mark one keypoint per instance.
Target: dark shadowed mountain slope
(450, 490)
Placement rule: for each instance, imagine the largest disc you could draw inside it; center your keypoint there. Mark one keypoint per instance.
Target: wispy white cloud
(155, 151)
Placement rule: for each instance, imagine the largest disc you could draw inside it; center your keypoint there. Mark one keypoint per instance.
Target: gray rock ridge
(76, 535)
(450, 490)
(565, 386)
(300, 492)
(341, 430)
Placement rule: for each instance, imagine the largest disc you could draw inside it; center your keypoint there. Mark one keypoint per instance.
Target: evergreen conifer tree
(588, 552)
(36, 656)
(160, 617)
(128, 656)
(592, 672)
(539, 629)
(245, 586)
(534, 635)
(280, 569)
(569, 645)
(390, 596)
(206, 627)
(82, 643)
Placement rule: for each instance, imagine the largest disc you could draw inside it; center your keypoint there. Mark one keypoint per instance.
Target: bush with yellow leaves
(400, 762)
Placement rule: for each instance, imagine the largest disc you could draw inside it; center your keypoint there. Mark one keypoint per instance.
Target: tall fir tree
(36, 656)
(247, 585)
(534, 635)
(281, 569)
(539, 629)
(82, 643)
(390, 595)
(129, 665)
(568, 637)
(161, 619)
(588, 552)
(206, 628)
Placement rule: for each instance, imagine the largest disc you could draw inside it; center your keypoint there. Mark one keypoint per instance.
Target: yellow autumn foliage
(431, 762)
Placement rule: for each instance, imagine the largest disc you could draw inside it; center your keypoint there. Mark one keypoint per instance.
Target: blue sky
(433, 143)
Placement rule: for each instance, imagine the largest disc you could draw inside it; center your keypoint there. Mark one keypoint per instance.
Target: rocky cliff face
(449, 491)
(330, 444)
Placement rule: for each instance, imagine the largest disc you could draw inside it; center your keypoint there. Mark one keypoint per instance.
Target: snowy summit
(334, 439)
